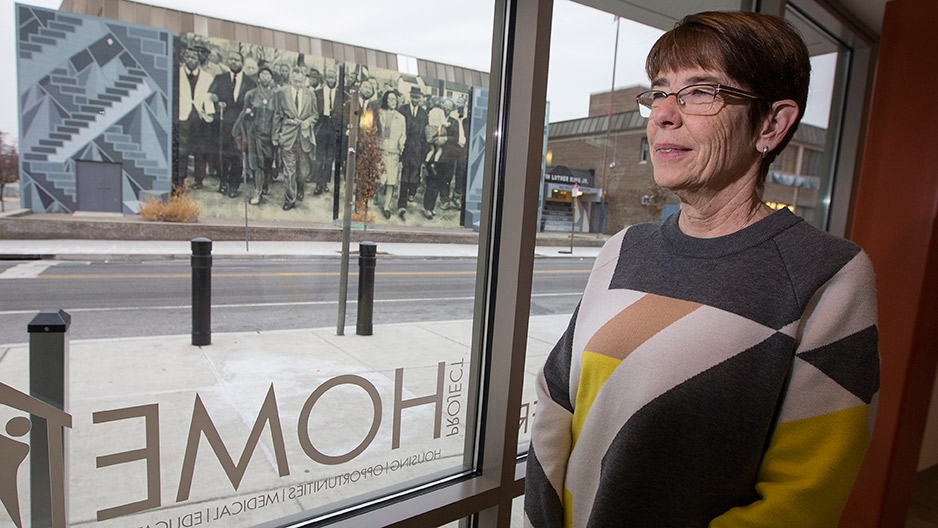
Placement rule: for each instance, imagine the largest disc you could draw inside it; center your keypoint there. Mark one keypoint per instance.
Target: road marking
(236, 275)
(28, 270)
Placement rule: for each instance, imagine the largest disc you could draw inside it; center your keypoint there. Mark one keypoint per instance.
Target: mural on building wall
(95, 102)
(475, 169)
(260, 125)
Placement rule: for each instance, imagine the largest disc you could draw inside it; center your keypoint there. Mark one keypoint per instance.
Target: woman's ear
(781, 118)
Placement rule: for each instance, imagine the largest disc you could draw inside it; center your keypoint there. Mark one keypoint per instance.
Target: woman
(722, 367)
(392, 130)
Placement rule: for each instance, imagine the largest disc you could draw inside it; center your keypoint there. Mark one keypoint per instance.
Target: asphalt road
(126, 299)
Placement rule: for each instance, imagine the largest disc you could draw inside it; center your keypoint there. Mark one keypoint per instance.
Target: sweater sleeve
(824, 425)
(551, 437)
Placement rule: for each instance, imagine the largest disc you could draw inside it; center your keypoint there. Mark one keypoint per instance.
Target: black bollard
(201, 291)
(48, 382)
(367, 259)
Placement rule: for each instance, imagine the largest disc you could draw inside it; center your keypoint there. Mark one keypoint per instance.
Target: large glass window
(285, 405)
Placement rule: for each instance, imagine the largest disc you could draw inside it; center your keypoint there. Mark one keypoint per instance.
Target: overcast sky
(448, 31)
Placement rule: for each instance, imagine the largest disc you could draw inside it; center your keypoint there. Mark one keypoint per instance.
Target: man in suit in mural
(256, 125)
(196, 112)
(327, 130)
(228, 90)
(415, 149)
(294, 119)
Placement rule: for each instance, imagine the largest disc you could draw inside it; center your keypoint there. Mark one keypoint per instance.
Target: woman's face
(392, 100)
(700, 154)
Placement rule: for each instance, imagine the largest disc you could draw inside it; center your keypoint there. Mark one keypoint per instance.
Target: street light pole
(607, 167)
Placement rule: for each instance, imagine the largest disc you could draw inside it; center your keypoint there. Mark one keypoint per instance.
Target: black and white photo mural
(267, 127)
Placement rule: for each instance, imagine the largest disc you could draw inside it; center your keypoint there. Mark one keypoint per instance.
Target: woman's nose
(667, 111)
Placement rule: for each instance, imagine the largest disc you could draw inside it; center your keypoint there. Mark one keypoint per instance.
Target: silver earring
(765, 151)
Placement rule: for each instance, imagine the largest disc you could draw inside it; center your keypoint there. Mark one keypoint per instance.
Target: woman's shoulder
(813, 257)
(805, 243)
(625, 239)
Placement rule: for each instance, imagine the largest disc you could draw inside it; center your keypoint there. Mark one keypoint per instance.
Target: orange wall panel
(895, 221)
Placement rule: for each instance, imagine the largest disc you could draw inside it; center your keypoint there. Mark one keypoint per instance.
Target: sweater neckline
(750, 236)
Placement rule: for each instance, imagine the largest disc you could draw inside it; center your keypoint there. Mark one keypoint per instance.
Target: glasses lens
(697, 99)
(648, 100)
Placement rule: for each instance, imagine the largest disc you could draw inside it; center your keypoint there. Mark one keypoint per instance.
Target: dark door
(99, 186)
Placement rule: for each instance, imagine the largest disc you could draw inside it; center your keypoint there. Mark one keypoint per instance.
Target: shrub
(368, 169)
(179, 208)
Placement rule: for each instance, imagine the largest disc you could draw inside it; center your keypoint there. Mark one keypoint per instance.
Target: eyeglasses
(696, 99)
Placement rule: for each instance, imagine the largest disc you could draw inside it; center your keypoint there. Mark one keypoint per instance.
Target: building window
(643, 157)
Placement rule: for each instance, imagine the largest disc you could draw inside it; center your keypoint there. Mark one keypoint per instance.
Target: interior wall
(929, 455)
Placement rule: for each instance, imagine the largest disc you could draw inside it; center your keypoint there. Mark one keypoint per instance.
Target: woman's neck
(722, 214)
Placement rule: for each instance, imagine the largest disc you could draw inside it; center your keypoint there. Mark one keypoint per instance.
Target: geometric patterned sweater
(725, 382)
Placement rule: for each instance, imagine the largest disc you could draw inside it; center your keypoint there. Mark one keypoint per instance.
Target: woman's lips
(666, 147)
(670, 150)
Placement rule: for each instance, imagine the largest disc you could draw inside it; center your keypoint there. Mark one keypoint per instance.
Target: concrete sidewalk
(346, 416)
(165, 249)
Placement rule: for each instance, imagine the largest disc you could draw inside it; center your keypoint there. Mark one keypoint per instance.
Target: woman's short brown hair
(763, 54)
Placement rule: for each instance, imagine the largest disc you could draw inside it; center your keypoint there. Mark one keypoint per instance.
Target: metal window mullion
(519, 141)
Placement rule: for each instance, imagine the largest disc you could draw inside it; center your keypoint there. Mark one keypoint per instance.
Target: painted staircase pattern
(95, 105)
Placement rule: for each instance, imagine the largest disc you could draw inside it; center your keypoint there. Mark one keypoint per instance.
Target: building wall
(91, 90)
(182, 22)
(623, 100)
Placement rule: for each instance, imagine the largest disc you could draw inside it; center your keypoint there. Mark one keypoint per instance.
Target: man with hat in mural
(415, 149)
(255, 125)
(196, 112)
(228, 91)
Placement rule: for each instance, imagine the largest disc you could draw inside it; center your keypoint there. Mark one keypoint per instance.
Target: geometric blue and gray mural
(95, 99)
(476, 146)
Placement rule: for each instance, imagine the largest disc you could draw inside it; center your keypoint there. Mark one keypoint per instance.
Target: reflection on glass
(800, 178)
(594, 169)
